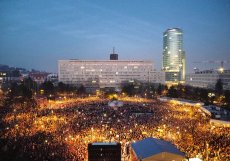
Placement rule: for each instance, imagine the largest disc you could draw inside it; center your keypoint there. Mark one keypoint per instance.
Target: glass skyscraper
(173, 56)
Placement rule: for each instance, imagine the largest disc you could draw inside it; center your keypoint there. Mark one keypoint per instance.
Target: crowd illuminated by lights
(68, 125)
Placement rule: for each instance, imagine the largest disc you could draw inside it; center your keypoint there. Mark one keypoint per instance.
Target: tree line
(216, 96)
(28, 88)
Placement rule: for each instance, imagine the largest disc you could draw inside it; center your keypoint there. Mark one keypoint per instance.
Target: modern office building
(173, 56)
(110, 151)
(157, 76)
(208, 79)
(107, 73)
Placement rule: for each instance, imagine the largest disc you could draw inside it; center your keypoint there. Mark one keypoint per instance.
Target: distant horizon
(36, 34)
(211, 67)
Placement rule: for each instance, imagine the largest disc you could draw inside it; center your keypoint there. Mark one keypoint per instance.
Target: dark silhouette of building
(113, 56)
(104, 152)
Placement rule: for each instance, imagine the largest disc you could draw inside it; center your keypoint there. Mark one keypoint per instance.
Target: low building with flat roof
(104, 151)
(208, 79)
(107, 73)
(152, 149)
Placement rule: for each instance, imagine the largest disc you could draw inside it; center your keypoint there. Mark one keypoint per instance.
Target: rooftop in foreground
(104, 143)
(152, 147)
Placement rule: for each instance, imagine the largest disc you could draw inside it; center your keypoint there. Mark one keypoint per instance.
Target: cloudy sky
(37, 33)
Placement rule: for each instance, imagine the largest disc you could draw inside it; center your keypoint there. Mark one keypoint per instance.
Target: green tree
(30, 84)
(227, 98)
(61, 87)
(128, 89)
(172, 92)
(48, 87)
(159, 89)
(188, 92)
(219, 86)
(202, 95)
(180, 90)
(81, 90)
(25, 91)
(19, 91)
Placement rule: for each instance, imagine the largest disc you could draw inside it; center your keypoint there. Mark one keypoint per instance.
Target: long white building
(208, 79)
(107, 73)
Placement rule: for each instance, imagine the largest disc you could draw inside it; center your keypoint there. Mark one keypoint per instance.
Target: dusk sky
(35, 34)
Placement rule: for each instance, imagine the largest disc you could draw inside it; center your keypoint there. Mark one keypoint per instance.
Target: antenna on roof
(113, 50)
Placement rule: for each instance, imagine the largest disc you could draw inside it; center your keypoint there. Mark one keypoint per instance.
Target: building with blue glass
(173, 56)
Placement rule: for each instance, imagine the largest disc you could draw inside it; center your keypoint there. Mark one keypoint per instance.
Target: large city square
(62, 129)
(114, 80)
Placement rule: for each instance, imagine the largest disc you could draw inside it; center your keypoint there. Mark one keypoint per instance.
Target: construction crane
(221, 62)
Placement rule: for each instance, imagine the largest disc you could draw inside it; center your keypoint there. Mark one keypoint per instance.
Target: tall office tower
(173, 56)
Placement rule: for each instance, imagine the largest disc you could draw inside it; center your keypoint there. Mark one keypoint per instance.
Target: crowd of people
(61, 130)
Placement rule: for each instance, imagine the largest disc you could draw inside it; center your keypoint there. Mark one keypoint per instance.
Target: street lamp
(211, 96)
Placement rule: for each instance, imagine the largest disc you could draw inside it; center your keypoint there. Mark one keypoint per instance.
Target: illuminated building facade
(208, 79)
(38, 77)
(107, 73)
(173, 56)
